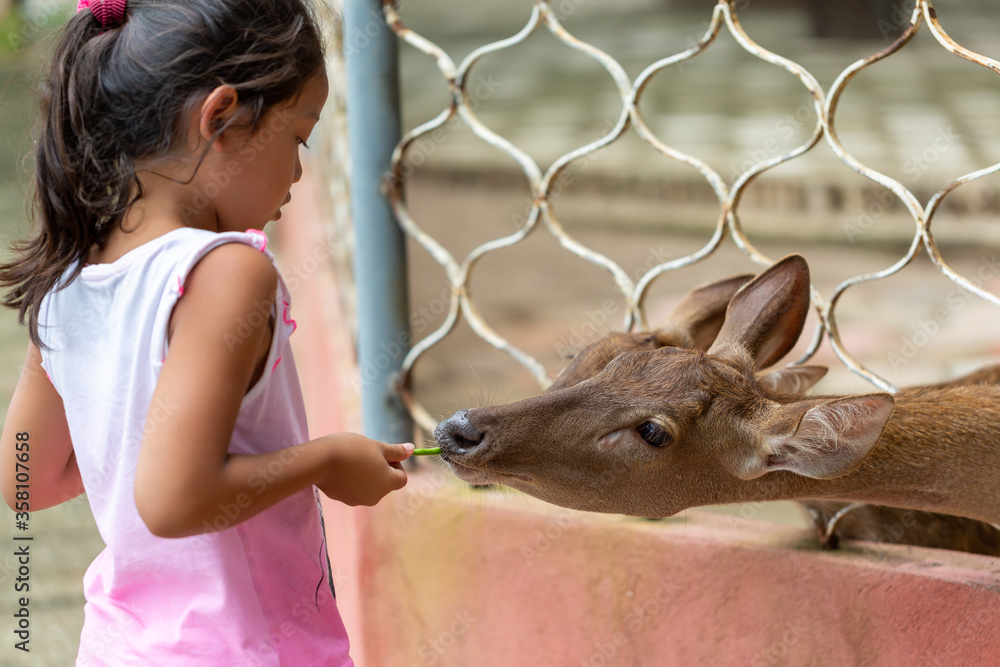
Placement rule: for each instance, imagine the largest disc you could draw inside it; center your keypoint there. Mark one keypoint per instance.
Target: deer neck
(940, 452)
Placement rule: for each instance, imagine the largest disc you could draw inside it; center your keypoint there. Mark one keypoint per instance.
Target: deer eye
(653, 434)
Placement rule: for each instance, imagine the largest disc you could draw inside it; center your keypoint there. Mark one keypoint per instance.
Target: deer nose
(457, 432)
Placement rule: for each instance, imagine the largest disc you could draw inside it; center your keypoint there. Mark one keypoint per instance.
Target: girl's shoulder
(234, 268)
(187, 274)
(230, 262)
(208, 240)
(159, 272)
(194, 245)
(176, 252)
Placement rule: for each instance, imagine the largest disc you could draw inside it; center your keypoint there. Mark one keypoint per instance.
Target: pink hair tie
(109, 13)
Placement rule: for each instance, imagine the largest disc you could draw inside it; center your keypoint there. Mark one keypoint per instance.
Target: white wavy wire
(723, 15)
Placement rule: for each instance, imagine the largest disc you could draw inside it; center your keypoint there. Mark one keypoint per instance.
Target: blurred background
(923, 116)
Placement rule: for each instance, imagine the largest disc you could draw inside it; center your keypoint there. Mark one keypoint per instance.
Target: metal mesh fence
(542, 217)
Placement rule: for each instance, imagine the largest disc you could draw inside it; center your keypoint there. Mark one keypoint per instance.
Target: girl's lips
(277, 214)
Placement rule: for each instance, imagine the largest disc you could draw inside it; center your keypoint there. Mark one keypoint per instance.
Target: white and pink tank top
(253, 593)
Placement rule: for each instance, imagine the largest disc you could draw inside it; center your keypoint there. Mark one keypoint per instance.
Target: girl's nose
(298, 168)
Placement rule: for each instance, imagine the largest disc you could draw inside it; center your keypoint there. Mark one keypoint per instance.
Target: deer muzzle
(463, 450)
(457, 435)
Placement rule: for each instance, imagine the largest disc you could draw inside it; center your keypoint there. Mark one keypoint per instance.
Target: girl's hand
(363, 470)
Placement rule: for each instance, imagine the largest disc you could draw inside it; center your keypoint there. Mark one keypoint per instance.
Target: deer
(656, 429)
(694, 324)
(874, 523)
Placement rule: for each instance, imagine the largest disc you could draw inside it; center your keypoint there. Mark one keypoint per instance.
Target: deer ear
(702, 311)
(766, 317)
(830, 439)
(791, 380)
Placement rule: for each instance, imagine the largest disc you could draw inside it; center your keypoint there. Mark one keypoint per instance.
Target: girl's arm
(35, 448)
(186, 481)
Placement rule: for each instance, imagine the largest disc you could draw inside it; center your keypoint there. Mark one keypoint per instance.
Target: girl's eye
(303, 143)
(653, 434)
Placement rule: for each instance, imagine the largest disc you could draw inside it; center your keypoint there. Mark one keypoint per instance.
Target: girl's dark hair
(121, 96)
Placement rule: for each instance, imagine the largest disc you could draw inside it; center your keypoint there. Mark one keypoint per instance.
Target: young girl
(159, 377)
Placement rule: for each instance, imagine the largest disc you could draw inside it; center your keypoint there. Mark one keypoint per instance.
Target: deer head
(660, 429)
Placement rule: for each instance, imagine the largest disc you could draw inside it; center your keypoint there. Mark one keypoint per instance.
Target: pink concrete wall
(439, 574)
(460, 578)
(323, 349)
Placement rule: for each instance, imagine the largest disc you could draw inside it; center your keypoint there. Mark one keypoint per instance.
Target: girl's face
(254, 180)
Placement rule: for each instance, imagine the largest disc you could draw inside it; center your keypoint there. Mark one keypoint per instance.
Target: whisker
(473, 400)
(484, 391)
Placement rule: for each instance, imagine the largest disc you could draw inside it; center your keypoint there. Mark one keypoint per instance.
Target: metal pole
(373, 128)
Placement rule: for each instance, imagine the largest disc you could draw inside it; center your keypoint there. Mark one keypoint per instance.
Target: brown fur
(731, 434)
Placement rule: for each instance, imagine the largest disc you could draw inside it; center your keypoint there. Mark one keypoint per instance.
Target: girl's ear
(217, 111)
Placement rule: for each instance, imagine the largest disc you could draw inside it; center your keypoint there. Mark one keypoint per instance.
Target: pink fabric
(253, 593)
(109, 13)
(286, 318)
(261, 236)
